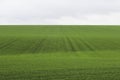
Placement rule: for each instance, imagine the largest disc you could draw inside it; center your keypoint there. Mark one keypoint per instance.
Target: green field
(59, 52)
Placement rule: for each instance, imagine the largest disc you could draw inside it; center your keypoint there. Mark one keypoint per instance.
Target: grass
(59, 52)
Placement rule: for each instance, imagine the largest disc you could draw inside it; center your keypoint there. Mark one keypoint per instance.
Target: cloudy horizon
(60, 12)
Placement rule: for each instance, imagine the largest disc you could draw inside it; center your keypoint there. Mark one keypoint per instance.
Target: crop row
(57, 44)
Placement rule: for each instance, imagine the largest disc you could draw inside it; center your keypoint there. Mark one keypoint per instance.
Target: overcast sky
(80, 12)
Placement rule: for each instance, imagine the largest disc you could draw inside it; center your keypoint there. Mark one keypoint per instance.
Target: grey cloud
(59, 11)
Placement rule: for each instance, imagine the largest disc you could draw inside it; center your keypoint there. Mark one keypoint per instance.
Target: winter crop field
(59, 52)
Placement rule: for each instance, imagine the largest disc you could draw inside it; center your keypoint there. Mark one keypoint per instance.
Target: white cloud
(60, 12)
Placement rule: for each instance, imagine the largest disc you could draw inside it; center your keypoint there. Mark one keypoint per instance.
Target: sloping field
(59, 52)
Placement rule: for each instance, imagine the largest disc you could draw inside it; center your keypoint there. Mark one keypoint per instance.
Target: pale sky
(60, 12)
